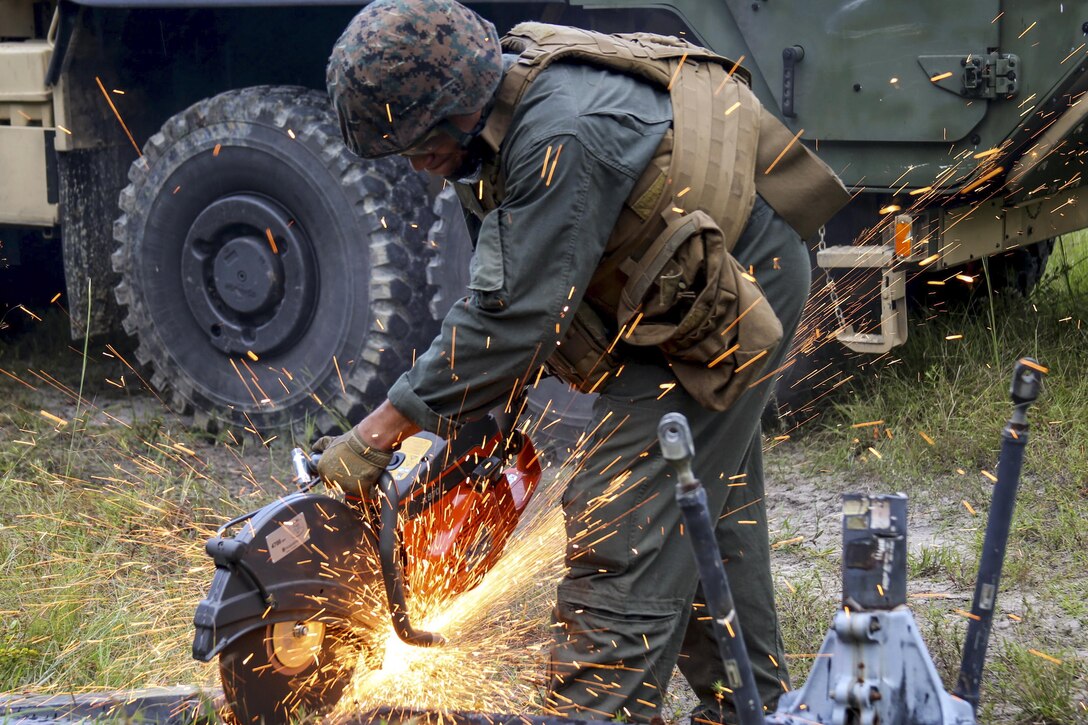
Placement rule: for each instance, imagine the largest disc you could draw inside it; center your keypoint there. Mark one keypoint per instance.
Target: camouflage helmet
(403, 66)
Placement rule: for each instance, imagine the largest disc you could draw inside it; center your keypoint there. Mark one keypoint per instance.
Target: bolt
(1084, 28)
(857, 88)
(299, 630)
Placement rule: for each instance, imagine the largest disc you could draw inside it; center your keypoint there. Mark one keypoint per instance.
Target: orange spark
(115, 113)
(1043, 655)
(555, 162)
(783, 152)
(969, 615)
(1034, 365)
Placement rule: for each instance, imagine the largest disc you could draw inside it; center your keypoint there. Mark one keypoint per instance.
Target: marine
(639, 222)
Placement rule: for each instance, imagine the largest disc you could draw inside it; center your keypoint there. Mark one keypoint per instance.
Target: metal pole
(677, 448)
(1026, 382)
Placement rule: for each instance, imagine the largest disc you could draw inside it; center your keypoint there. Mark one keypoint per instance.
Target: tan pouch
(691, 298)
(585, 359)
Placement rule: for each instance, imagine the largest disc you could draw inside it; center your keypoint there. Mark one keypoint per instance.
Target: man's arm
(385, 427)
(534, 257)
(570, 162)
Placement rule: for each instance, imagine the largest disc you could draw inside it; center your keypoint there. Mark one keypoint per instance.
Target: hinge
(983, 75)
(995, 75)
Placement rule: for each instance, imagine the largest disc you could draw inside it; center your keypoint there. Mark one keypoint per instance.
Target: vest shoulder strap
(703, 86)
(538, 45)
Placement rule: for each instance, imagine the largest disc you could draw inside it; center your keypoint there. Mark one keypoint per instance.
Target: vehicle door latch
(994, 75)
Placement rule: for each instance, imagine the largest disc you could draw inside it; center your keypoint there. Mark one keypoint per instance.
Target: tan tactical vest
(667, 278)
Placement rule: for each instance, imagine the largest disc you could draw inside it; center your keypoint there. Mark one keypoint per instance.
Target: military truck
(181, 160)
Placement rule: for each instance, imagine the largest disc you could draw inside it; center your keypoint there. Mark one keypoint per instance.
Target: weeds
(1035, 685)
(941, 401)
(806, 605)
(947, 563)
(102, 521)
(101, 564)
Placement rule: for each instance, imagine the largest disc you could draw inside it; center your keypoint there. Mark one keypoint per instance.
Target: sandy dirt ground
(803, 500)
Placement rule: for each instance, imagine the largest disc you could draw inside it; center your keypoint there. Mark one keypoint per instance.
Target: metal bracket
(984, 75)
(893, 293)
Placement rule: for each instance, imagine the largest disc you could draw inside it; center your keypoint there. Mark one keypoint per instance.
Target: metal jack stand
(873, 668)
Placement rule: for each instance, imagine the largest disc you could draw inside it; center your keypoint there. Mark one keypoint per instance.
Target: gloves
(350, 463)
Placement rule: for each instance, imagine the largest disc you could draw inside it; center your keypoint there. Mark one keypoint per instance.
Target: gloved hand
(350, 463)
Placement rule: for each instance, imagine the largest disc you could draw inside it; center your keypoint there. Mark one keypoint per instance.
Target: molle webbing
(667, 260)
(800, 187)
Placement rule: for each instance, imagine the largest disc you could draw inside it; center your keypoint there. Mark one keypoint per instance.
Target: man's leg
(741, 530)
(745, 550)
(624, 605)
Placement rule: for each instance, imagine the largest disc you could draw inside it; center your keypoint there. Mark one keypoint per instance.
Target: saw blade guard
(305, 557)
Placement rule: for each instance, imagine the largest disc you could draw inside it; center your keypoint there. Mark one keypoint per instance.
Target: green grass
(1037, 689)
(941, 401)
(101, 527)
(806, 605)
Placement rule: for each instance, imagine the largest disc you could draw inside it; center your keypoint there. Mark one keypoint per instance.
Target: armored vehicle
(180, 160)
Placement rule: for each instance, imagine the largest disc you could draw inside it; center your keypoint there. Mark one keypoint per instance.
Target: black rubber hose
(678, 449)
(391, 571)
(1026, 385)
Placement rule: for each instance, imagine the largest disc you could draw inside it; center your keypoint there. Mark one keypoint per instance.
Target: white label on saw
(288, 537)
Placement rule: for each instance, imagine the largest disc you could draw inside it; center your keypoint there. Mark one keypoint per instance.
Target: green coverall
(625, 613)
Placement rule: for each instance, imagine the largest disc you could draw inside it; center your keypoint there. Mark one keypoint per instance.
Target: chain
(832, 291)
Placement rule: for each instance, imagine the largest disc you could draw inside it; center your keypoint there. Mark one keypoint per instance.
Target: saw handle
(306, 477)
(305, 465)
(392, 575)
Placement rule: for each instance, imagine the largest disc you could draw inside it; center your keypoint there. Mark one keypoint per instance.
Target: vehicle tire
(447, 271)
(266, 682)
(272, 279)
(1020, 270)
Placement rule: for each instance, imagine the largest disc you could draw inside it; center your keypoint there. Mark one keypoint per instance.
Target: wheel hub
(251, 277)
(248, 275)
(296, 645)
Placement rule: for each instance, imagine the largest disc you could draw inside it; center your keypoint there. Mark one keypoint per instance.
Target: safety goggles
(432, 140)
